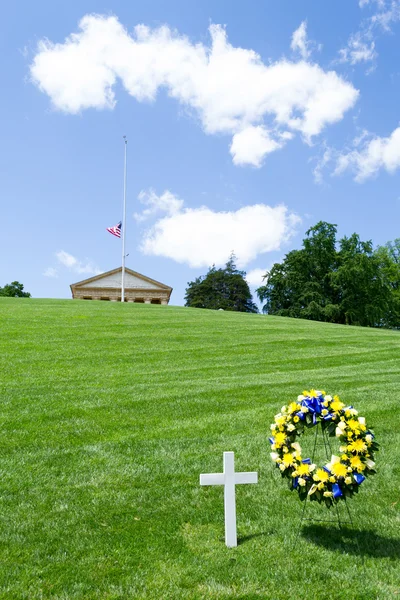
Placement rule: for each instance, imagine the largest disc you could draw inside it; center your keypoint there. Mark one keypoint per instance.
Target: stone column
(164, 301)
(147, 301)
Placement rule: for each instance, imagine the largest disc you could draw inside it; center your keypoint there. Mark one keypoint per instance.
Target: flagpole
(124, 228)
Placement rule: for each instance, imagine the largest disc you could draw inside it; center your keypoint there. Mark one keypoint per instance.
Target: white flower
(273, 427)
(328, 398)
(282, 467)
(368, 438)
(300, 398)
(313, 489)
(296, 446)
(361, 420)
(274, 456)
(302, 481)
(370, 463)
(291, 427)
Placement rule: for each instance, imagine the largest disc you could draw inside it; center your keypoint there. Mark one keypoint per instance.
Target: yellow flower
(357, 446)
(280, 420)
(293, 407)
(354, 425)
(303, 469)
(328, 494)
(337, 405)
(288, 459)
(344, 457)
(296, 419)
(305, 393)
(339, 469)
(313, 394)
(321, 475)
(279, 439)
(347, 480)
(356, 463)
(321, 485)
(324, 412)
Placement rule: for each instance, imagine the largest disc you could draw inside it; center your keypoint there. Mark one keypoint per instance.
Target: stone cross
(229, 479)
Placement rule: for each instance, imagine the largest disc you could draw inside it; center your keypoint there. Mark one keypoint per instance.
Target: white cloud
(251, 145)
(228, 88)
(255, 277)
(361, 45)
(390, 13)
(73, 264)
(202, 237)
(300, 42)
(369, 156)
(50, 272)
(360, 48)
(167, 202)
(322, 162)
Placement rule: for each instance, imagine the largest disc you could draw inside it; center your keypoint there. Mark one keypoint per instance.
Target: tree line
(338, 281)
(343, 281)
(15, 289)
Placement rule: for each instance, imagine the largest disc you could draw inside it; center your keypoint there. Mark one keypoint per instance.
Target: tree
(361, 284)
(340, 282)
(14, 290)
(221, 288)
(389, 258)
(301, 286)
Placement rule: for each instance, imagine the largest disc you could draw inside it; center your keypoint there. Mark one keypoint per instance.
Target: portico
(107, 287)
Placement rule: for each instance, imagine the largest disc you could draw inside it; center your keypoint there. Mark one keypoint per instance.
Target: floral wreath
(343, 475)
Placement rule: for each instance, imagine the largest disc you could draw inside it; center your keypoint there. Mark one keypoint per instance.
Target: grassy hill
(110, 412)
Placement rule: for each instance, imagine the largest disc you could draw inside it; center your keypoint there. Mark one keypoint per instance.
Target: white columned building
(107, 286)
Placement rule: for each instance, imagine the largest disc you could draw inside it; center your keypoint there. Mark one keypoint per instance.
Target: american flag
(116, 230)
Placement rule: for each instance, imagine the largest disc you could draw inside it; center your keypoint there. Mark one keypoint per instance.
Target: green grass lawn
(110, 412)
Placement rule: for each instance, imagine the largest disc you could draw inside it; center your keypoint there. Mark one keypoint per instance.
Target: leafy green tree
(341, 282)
(389, 257)
(361, 284)
(14, 290)
(301, 286)
(221, 288)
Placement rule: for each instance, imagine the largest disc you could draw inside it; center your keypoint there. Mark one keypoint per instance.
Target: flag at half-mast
(116, 230)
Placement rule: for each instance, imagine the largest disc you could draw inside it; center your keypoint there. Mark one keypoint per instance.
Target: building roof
(112, 280)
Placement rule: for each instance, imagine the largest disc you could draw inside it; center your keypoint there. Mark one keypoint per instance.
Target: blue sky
(247, 124)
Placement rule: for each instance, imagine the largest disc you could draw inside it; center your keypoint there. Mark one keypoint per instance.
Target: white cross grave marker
(229, 479)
